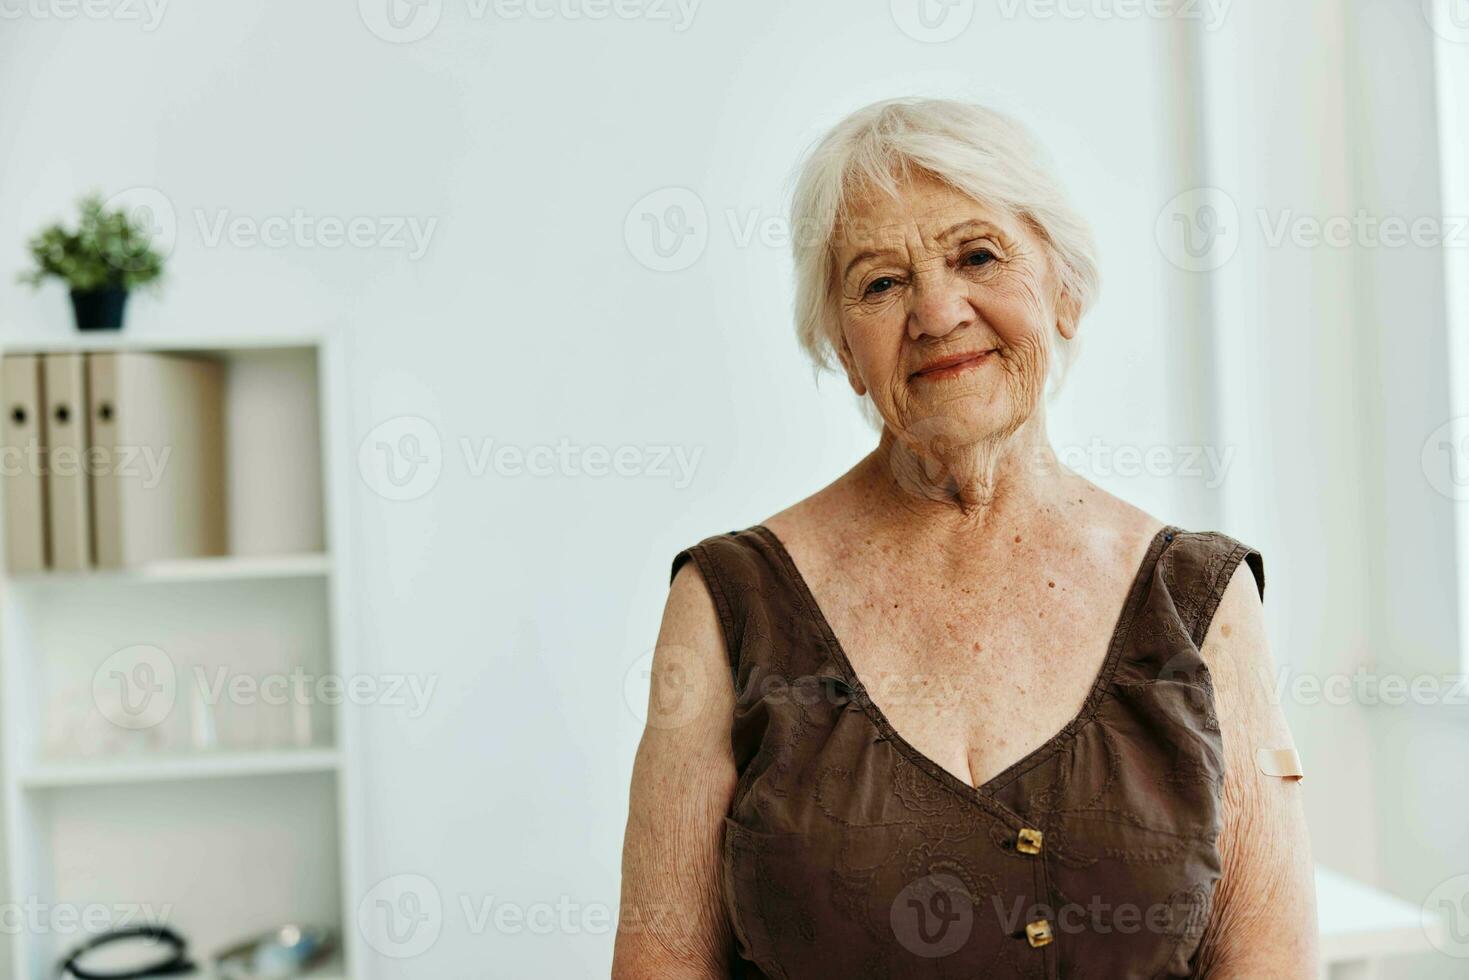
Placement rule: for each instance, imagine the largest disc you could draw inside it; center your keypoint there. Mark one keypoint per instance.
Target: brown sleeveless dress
(849, 854)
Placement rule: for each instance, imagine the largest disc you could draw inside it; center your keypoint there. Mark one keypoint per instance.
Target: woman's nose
(938, 306)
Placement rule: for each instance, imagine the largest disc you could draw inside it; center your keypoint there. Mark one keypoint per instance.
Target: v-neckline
(984, 793)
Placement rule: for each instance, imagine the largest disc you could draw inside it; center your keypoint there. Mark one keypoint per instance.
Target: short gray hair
(983, 153)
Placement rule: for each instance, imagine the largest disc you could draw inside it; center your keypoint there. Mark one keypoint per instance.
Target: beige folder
(21, 441)
(157, 437)
(63, 381)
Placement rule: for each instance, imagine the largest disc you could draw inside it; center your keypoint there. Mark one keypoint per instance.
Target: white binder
(22, 443)
(63, 380)
(157, 437)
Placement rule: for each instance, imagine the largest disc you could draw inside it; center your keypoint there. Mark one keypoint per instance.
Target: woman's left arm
(1263, 922)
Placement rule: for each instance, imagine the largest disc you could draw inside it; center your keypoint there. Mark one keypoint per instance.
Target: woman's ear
(1068, 314)
(844, 354)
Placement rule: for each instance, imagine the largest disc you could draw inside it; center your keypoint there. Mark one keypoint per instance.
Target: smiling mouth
(948, 367)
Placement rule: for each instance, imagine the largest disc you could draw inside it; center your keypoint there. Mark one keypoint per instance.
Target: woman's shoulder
(1206, 573)
(805, 520)
(749, 559)
(1122, 525)
(826, 516)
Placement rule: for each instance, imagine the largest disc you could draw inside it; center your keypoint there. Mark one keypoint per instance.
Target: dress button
(1038, 933)
(1028, 841)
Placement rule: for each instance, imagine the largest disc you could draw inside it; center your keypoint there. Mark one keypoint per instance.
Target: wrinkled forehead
(920, 206)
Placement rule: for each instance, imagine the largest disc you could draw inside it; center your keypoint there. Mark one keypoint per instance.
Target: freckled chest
(977, 664)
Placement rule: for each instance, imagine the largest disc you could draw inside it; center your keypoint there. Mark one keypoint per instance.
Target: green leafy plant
(108, 250)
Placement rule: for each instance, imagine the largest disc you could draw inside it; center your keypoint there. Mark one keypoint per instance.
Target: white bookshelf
(259, 828)
(223, 568)
(183, 765)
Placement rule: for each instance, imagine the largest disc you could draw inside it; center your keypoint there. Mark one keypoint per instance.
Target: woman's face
(946, 309)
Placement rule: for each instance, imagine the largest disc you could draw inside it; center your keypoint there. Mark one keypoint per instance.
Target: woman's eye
(879, 285)
(979, 257)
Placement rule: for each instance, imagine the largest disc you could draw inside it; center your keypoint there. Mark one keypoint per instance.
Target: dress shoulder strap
(1196, 569)
(1180, 595)
(761, 615)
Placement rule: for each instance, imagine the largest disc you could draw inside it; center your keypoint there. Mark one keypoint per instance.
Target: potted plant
(108, 255)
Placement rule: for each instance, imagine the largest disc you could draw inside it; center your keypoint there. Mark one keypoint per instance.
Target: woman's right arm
(673, 922)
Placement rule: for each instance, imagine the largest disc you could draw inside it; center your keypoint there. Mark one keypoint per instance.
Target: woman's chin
(958, 421)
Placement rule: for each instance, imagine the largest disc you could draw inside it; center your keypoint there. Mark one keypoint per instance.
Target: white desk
(1360, 924)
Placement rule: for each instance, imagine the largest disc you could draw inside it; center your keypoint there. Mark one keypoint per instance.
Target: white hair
(981, 152)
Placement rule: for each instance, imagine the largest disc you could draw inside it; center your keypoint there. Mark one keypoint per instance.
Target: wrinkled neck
(988, 482)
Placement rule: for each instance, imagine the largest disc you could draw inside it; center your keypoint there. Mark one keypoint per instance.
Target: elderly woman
(961, 713)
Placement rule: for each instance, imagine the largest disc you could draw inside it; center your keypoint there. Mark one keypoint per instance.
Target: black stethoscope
(173, 962)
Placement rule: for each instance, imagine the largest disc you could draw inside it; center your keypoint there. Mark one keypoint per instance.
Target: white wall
(530, 319)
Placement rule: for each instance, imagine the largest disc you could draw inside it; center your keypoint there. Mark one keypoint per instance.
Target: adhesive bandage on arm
(1284, 763)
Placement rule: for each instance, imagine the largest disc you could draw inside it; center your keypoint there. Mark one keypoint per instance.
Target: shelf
(68, 342)
(226, 568)
(203, 765)
(332, 969)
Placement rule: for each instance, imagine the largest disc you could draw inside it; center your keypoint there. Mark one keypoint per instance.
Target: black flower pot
(99, 309)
